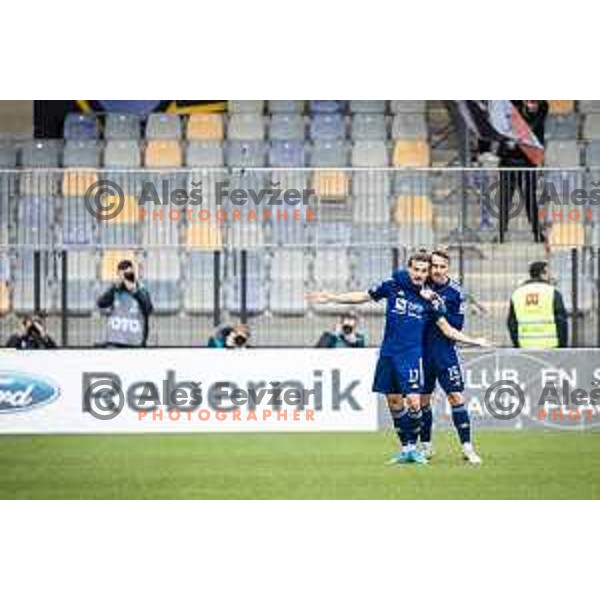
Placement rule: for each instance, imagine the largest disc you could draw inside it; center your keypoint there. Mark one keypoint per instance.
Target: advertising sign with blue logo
(23, 391)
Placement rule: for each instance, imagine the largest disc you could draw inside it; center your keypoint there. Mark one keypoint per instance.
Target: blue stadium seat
(80, 126)
(285, 126)
(246, 154)
(286, 106)
(327, 127)
(329, 154)
(369, 127)
(326, 106)
(287, 154)
(204, 154)
(35, 220)
(122, 126)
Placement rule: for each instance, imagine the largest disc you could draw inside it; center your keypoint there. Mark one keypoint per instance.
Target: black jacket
(30, 342)
(141, 295)
(560, 318)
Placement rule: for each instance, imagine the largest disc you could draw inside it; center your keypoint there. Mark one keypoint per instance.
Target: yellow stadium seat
(110, 260)
(413, 209)
(205, 127)
(411, 153)
(330, 185)
(129, 214)
(563, 235)
(77, 183)
(561, 107)
(163, 154)
(4, 298)
(204, 236)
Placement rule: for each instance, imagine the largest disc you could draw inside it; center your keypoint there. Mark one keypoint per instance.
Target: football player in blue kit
(399, 371)
(442, 362)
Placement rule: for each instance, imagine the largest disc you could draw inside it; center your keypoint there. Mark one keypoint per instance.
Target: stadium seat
(370, 209)
(246, 127)
(41, 154)
(82, 153)
(118, 234)
(329, 154)
(330, 185)
(336, 233)
(287, 154)
(326, 106)
(163, 153)
(369, 127)
(246, 154)
(163, 126)
(562, 154)
(407, 106)
(411, 153)
(78, 225)
(369, 154)
(23, 293)
(413, 183)
(368, 106)
(80, 126)
(561, 107)
(246, 106)
(206, 127)
(203, 236)
(122, 154)
(327, 127)
(110, 260)
(592, 154)
(370, 265)
(563, 235)
(160, 233)
(8, 155)
(332, 269)
(561, 127)
(77, 183)
(4, 267)
(591, 127)
(286, 106)
(204, 154)
(256, 297)
(409, 127)
(119, 126)
(371, 234)
(160, 272)
(245, 235)
(287, 297)
(286, 126)
(81, 282)
(200, 282)
(413, 209)
(35, 222)
(371, 184)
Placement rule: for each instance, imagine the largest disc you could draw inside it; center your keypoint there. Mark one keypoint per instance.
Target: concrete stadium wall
(16, 118)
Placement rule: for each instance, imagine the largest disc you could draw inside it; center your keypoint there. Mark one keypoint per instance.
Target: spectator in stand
(33, 335)
(345, 334)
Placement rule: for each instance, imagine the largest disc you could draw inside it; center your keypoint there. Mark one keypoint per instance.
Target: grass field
(304, 465)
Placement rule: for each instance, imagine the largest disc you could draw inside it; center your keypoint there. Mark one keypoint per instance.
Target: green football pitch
(301, 465)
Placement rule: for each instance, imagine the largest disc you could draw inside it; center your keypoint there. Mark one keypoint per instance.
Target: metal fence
(226, 245)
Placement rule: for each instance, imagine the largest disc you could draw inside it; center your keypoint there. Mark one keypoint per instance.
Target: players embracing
(417, 317)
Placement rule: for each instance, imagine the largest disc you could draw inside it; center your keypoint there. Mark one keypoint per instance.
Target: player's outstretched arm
(458, 336)
(342, 298)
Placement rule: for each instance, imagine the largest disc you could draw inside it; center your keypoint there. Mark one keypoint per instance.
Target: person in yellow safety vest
(537, 317)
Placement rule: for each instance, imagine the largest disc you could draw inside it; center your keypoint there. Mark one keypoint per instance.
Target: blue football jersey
(407, 314)
(436, 343)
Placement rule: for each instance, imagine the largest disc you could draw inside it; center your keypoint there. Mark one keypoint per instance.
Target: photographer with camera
(33, 335)
(128, 306)
(345, 334)
(230, 337)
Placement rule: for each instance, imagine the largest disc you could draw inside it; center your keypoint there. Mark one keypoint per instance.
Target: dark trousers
(526, 182)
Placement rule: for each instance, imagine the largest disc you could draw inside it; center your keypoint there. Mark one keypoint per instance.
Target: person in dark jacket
(128, 306)
(33, 336)
(345, 334)
(534, 113)
(537, 318)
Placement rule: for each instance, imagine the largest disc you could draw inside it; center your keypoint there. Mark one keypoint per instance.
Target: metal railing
(222, 245)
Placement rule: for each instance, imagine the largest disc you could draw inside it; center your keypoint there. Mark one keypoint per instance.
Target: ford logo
(20, 391)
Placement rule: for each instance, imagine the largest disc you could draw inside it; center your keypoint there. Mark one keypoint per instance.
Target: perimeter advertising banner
(185, 390)
(102, 391)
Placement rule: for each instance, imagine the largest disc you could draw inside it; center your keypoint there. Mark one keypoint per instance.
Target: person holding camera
(33, 336)
(230, 337)
(128, 306)
(345, 334)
